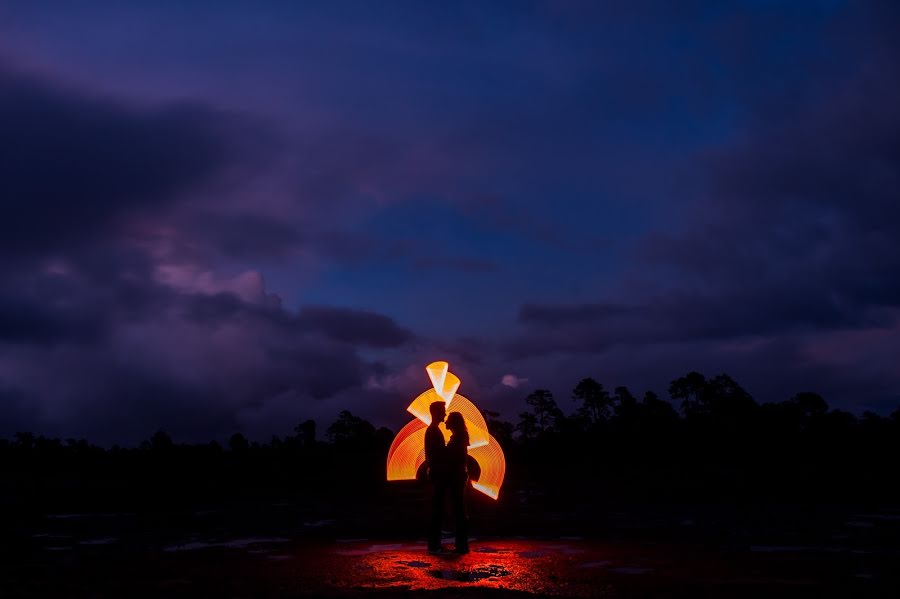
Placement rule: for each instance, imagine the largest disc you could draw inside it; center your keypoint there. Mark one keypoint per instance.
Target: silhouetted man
(436, 464)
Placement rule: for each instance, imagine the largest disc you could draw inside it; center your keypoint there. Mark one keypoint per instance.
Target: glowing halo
(407, 452)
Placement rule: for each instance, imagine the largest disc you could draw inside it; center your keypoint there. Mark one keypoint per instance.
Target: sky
(226, 217)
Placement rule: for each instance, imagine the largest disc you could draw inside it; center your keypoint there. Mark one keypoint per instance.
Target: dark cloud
(119, 360)
(561, 315)
(72, 164)
(353, 326)
(219, 308)
(26, 320)
(343, 325)
(247, 235)
(764, 309)
(321, 370)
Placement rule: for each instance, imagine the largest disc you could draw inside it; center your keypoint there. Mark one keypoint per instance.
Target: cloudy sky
(228, 216)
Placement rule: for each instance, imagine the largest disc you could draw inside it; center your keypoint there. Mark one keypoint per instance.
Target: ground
(222, 553)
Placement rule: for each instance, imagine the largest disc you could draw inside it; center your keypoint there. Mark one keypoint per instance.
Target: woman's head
(456, 423)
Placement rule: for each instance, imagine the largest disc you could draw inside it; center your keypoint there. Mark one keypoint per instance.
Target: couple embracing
(447, 473)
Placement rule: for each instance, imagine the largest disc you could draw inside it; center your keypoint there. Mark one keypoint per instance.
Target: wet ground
(216, 553)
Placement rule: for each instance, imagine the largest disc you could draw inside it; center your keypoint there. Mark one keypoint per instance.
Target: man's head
(438, 411)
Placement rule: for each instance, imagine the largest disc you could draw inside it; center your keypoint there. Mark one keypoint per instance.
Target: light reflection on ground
(552, 567)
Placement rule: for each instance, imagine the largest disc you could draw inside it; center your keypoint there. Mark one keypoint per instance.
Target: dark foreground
(272, 549)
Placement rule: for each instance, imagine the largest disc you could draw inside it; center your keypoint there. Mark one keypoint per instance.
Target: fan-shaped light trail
(407, 452)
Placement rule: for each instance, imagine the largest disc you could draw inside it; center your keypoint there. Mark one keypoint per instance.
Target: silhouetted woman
(458, 478)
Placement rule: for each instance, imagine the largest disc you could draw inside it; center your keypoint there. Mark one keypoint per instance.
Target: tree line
(711, 441)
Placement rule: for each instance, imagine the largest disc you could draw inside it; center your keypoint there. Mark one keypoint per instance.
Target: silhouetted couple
(446, 466)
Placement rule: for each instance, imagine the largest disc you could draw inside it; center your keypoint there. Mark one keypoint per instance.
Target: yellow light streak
(407, 452)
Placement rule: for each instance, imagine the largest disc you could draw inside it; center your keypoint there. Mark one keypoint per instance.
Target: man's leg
(458, 497)
(438, 492)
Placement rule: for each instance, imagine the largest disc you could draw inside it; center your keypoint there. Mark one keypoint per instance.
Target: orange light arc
(407, 452)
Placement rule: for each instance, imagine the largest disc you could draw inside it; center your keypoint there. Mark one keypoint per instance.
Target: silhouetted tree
(238, 443)
(546, 412)
(161, 442)
(594, 400)
(839, 422)
(808, 406)
(528, 426)
(501, 429)
(306, 432)
(723, 388)
(384, 437)
(658, 411)
(350, 429)
(625, 405)
(693, 392)
(24, 440)
(794, 415)
(732, 407)
(721, 397)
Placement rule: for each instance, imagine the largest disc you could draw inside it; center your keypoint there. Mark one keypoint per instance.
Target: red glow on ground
(521, 565)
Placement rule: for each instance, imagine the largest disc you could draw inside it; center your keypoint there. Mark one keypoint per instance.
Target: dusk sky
(225, 216)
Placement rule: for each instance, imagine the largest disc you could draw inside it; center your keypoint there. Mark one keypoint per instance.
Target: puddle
(415, 564)
(492, 571)
(473, 575)
(318, 523)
